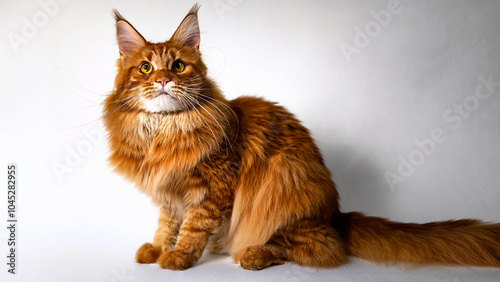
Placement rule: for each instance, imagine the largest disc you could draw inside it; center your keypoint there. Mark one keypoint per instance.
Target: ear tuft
(188, 32)
(118, 16)
(129, 39)
(194, 9)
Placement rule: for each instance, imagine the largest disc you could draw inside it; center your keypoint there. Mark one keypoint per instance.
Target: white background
(365, 110)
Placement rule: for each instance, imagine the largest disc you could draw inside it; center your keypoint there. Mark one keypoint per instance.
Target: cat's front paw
(176, 260)
(147, 254)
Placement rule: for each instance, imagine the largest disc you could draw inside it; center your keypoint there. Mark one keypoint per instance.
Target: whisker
(71, 91)
(76, 81)
(206, 122)
(209, 113)
(116, 109)
(118, 101)
(228, 107)
(76, 111)
(124, 104)
(225, 117)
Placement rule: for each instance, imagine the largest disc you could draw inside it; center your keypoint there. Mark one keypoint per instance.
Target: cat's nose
(163, 81)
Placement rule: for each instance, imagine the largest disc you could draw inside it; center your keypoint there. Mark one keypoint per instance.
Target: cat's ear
(129, 39)
(188, 32)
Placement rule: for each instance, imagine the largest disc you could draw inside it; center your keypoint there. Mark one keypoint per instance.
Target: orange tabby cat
(244, 177)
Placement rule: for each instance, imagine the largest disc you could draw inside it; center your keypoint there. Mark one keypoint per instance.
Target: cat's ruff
(244, 177)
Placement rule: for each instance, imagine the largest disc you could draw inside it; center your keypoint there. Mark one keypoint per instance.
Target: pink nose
(163, 81)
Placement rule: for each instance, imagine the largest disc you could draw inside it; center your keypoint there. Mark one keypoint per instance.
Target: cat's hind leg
(315, 243)
(258, 257)
(307, 242)
(218, 241)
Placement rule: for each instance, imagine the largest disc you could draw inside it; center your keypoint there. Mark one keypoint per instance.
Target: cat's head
(160, 77)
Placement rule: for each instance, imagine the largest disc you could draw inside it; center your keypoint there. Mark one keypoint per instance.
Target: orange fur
(460, 242)
(244, 177)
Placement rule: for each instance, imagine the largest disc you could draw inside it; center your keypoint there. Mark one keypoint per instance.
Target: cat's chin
(162, 103)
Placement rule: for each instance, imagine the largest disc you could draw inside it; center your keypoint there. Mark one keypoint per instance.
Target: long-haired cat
(244, 177)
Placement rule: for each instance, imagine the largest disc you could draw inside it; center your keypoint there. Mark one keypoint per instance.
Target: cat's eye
(178, 66)
(146, 68)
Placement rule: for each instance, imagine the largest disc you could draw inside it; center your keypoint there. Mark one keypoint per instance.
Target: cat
(244, 177)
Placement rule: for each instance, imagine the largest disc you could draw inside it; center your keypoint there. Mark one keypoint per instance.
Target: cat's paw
(256, 258)
(147, 254)
(176, 260)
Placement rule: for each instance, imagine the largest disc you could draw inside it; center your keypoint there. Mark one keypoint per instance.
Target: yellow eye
(146, 68)
(178, 66)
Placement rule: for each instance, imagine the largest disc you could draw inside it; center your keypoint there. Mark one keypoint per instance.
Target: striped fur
(244, 177)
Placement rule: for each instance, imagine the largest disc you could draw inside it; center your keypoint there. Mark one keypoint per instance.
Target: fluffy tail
(460, 242)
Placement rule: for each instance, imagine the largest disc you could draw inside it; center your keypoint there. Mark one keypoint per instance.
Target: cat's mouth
(162, 101)
(161, 93)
